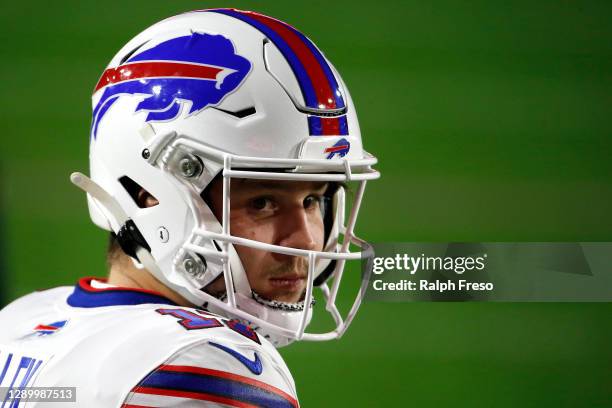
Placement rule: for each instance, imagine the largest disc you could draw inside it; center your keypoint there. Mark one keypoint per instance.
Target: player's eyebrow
(282, 186)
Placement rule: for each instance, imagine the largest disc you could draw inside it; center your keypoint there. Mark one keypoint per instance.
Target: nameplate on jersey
(18, 370)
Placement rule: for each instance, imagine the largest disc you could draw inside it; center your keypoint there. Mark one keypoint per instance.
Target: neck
(123, 273)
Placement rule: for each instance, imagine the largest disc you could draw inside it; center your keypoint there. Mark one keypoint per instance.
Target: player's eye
(312, 201)
(262, 204)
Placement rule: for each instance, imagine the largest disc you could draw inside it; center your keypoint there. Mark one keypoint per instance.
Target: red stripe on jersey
(156, 69)
(193, 395)
(321, 85)
(230, 376)
(135, 406)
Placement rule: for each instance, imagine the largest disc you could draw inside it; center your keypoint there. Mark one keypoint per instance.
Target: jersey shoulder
(217, 371)
(17, 315)
(219, 361)
(191, 356)
(145, 354)
(44, 296)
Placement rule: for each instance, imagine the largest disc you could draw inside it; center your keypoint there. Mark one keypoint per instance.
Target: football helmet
(233, 94)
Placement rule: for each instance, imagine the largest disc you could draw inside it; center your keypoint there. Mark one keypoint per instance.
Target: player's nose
(298, 230)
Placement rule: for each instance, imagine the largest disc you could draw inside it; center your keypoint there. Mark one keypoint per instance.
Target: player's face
(274, 212)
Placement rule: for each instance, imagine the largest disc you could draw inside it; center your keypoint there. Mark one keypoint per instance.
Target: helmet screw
(163, 234)
(191, 266)
(146, 154)
(189, 167)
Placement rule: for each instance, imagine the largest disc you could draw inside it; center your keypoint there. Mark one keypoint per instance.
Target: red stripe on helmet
(156, 69)
(330, 126)
(314, 70)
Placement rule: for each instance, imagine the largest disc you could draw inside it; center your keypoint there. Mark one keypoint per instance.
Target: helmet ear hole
(142, 198)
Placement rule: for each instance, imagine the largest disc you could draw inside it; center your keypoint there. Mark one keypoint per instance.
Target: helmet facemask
(209, 250)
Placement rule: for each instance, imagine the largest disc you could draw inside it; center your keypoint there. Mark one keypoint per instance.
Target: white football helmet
(240, 95)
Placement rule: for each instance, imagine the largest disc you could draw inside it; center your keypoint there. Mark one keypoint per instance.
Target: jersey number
(195, 321)
(189, 320)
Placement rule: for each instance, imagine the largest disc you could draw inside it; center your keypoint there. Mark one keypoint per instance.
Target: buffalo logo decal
(341, 148)
(197, 70)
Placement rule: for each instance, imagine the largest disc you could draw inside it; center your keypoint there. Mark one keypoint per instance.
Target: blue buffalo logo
(197, 70)
(341, 148)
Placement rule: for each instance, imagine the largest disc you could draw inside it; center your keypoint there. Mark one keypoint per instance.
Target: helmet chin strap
(280, 305)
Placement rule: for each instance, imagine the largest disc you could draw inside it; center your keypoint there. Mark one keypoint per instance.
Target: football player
(220, 148)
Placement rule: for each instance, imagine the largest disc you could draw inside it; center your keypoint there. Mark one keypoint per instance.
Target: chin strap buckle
(130, 239)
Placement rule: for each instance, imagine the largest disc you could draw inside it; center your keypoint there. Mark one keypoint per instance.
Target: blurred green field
(491, 120)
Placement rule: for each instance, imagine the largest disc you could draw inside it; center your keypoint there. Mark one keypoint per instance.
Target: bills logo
(341, 148)
(197, 70)
(48, 329)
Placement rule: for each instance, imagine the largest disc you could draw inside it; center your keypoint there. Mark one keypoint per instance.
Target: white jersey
(122, 347)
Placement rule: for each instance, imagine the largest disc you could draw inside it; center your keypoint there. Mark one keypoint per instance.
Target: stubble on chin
(297, 266)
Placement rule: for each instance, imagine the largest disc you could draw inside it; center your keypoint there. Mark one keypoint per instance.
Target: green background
(491, 120)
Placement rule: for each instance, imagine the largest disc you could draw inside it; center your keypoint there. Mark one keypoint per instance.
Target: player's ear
(144, 199)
